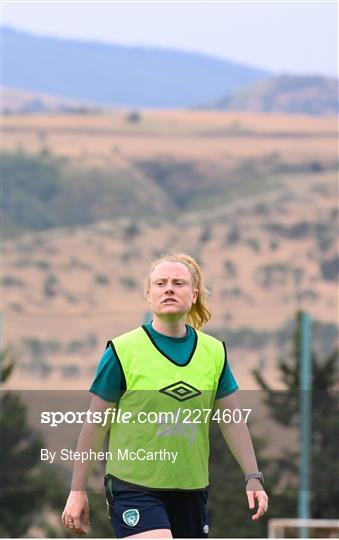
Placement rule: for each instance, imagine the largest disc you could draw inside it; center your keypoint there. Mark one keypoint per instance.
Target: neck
(169, 328)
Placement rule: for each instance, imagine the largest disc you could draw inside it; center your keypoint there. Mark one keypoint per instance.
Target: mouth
(169, 301)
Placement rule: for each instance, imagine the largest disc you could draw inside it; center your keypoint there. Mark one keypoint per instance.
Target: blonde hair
(200, 312)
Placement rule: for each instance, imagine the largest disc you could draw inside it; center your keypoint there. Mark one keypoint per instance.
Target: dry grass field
(69, 290)
(109, 138)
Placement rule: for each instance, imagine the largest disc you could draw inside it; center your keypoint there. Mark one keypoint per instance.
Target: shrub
(12, 281)
(70, 370)
(15, 306)
(51, 285)
(272, 274)
(254, 244)
(230, 268)
(133, 117)
(77, 346)
(330, 269)
(316, 166)
(101, 279)
(42, 265)
(70, 297)
(206, 233)
(233, 236)
(131, 231)
(260, 209)
(306, 294)
(274, 244)
(128, 282)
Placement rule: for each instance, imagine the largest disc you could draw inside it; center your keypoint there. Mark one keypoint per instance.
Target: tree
(27, 489)
(229, 514)
(33, 494)
(284, 409)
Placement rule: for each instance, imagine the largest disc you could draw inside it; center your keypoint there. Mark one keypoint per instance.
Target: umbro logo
(181, 391)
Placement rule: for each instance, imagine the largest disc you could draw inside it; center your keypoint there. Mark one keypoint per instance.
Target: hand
(76, 513)
(254, 491)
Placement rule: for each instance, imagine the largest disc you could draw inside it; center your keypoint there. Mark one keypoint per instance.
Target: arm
(76, 512)
(239, 441)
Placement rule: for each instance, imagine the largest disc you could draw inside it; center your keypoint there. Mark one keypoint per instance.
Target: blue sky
(283, 37)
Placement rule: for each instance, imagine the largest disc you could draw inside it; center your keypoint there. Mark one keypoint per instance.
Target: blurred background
(132, 130)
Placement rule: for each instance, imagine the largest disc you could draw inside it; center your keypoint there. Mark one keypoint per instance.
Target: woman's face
(171, 292)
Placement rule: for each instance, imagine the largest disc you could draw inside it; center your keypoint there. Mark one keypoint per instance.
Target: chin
(170, 309)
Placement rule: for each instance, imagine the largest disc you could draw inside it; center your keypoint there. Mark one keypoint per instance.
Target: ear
(148, 297)
(195, 296)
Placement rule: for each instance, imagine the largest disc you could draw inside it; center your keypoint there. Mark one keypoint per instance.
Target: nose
(169, 290)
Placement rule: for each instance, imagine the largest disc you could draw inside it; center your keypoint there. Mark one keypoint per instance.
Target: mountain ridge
(118, 75)
(291, 94)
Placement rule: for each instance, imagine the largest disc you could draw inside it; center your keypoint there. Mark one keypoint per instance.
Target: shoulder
(126, 338)
(213, 344)
(209, 340)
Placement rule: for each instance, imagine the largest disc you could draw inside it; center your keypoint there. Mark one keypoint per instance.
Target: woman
(168, 379)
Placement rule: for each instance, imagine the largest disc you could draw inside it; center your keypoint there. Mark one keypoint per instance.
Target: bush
(297, 275)
(330, 269)
(42, 265)
(306, 294)
(316, 166)
(206, 233)
(235, 292)
(128, 282)
(101, 279)
(51, 286)
(70, 370)
(133, 117)
(74, 262)
(274, 244)
(131, 231)
(87, 344)
(260, 209)
(325, 235)
(39, 348)
(254, 244)
(230, 268)
(70, 297)
(233, 236)
(14, 306)
(12, 281)
(272, 274)
(74, 346)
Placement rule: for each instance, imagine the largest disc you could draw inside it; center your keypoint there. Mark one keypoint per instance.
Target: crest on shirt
(131, 517)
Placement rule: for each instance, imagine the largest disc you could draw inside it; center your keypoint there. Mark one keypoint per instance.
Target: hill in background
(91, 199)
(68, 290)
(16, 101)
(76, 169)
(285, 94)
(86, 75)
(116, 75)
